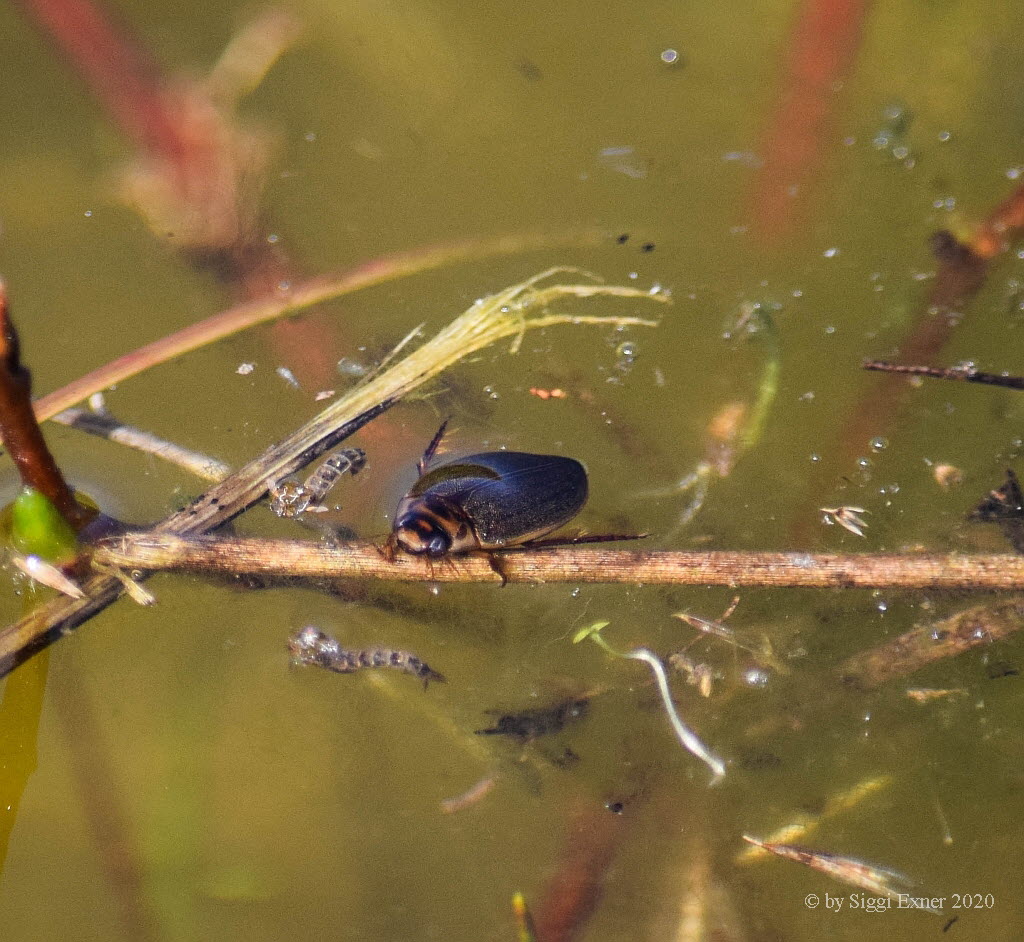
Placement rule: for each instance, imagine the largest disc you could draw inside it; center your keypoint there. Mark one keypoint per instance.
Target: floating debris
(947, 476)
(1005, 507)
(805, 824)
(469, 797)
(623, 160)
(885, 883)
(525, 931)
(527, 725)
(928, 694)
(716, 628)
(136, 591)
(312, 646)
(1002, 503)
(288, 376)
(847, 517)
(47, 574)
(697, 674)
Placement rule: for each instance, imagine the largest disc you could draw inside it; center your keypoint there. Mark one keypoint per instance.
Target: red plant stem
(116, 70)
(822, 49)
(20, 430)
(175, 125)
(1001, 227)
(572, 894)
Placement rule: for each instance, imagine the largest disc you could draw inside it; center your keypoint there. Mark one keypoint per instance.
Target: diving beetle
(488, 501)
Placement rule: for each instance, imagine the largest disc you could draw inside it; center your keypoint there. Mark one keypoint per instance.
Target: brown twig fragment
(966, 374)
(20, 431)
(963, 267)
(307, 560)
(981, 624)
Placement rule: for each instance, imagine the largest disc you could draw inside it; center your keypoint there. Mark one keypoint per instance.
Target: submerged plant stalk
(303, 559)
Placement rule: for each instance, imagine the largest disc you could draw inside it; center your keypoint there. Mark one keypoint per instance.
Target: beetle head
(422, 536)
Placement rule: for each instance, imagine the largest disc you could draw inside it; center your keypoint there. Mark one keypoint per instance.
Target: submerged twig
(965, 374)
(307, 560)
(525, 931)
(805, 823)
(980, 624)
(101, 423)
(885, 883)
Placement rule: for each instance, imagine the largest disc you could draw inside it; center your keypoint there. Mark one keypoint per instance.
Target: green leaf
(38, 529)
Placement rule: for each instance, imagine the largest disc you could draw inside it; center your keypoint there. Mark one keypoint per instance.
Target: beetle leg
(421, 465)
(582, 538)
(389, 548)
(494, 561)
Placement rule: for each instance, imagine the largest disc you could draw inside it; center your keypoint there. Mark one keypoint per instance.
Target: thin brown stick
(307, 560)
(963, 374)
(20, 431)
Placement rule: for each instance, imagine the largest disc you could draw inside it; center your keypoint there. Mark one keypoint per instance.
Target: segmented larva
(312, 646)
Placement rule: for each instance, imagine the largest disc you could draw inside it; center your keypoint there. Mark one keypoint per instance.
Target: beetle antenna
(421, 465)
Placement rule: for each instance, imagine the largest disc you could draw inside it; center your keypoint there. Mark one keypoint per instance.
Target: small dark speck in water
(530, 71)
(647, 247)
(998, 669)
(759, 760)
(623, 239)
(615, 807)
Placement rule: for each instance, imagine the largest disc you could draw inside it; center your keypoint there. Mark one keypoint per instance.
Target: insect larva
(289, 498)
(312, 646)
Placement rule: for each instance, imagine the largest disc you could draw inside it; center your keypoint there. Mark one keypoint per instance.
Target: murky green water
(253, 801)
